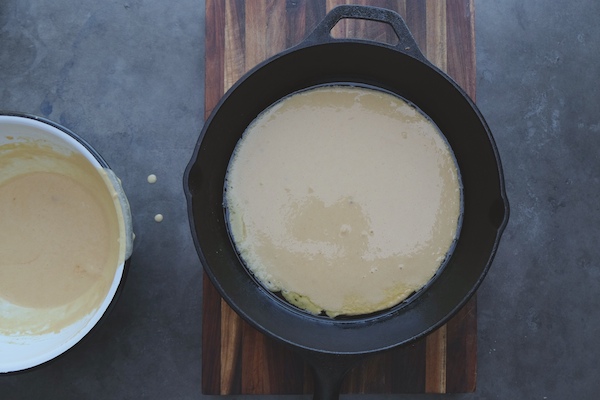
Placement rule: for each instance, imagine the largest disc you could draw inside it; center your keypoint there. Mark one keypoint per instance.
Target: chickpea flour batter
(345, 199)
(59, 238)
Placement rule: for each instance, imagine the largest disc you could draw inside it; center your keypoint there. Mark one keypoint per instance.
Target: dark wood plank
(256, 49)
(215, 43)
(295, 14)
(286, 368)
(265, 30)
(231, 368)
(407, 366)
(436, 34)
(461, 44)
(276, 27)
(315, 12)
(461, 371)
(254, 360)
(416, 19)
(371, 376)
(269, 366)
(234, 49)
(211, 338)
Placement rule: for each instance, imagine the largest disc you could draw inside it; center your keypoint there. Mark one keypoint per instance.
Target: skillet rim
(341, 325)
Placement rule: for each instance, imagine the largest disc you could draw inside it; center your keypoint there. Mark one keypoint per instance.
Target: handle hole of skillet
(349, 28)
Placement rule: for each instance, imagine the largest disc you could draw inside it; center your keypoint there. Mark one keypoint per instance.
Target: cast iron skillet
(331, 347)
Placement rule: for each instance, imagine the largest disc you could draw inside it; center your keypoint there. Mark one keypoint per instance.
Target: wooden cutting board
(237, 359)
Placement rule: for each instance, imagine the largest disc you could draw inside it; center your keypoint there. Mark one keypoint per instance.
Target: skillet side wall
(391, 70)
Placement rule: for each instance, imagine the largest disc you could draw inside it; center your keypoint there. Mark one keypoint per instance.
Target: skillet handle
(406, 42)
(329, 371)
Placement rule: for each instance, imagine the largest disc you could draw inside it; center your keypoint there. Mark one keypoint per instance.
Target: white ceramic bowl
(23, 351)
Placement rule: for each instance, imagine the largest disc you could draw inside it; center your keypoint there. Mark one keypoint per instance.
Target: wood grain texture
(236, 359)
(436, 354)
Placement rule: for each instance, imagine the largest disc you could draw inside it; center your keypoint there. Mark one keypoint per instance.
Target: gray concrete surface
(128, 76)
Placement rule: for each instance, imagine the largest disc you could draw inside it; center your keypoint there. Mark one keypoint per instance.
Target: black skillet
(332, 346)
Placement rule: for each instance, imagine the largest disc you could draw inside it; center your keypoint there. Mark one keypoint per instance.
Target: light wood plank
(436, 33)
(231, 336)
(235, 38)
(435, 371)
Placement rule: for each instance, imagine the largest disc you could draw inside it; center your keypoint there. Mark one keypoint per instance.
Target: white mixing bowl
(22, 350)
